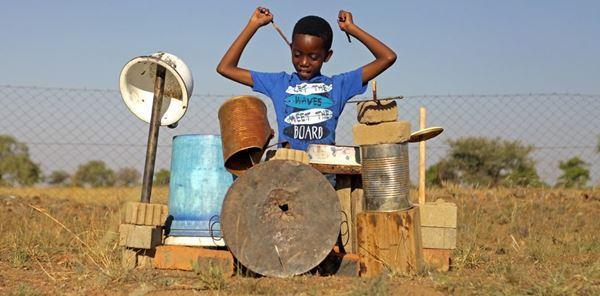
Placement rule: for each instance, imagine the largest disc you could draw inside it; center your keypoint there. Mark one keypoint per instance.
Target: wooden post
(422, 112)
(358, 205)
(389, 242)
(343, 189)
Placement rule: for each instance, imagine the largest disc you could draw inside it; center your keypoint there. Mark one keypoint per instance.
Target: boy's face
(308, 55)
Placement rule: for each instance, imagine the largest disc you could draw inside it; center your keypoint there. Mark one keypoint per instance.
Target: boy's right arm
(228, 66)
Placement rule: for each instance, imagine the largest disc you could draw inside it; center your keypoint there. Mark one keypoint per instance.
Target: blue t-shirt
(308, 110)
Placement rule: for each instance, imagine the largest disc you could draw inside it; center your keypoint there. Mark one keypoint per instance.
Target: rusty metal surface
(281, 218)
(385, 176)
(245, 132)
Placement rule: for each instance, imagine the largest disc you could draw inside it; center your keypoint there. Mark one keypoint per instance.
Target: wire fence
(65, 127)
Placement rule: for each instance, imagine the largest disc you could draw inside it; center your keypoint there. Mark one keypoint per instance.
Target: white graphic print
(309, 88)
(310, 116)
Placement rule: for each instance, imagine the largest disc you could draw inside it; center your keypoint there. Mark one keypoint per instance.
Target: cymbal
(426, 134)
(280, 218)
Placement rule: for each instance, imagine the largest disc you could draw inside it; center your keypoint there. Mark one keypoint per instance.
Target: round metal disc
(280, 218)
(425, 134)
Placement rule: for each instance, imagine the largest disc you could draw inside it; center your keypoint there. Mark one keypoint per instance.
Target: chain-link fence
(64, 128)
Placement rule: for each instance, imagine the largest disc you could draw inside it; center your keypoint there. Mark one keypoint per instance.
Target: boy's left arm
(384, 56)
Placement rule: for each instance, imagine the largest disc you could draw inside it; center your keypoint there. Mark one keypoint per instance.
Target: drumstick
(341, 19)
(281, 34)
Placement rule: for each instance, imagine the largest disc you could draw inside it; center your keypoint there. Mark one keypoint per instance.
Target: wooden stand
(389, 242)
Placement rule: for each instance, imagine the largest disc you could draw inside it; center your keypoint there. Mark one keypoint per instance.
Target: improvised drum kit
(279, 217)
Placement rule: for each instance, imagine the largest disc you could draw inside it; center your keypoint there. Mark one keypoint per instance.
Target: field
(510, 241)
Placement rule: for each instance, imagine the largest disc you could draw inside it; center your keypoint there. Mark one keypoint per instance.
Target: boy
(307, 103)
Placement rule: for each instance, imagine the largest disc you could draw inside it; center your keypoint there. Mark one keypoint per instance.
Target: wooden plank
(343, 190)
(390, 242)
(357, 204)
(337, 169)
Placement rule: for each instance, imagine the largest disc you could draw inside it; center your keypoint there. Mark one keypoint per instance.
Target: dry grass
(511, 241)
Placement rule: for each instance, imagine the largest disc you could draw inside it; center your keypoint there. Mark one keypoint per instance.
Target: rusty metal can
(385, 176)
(245, 132)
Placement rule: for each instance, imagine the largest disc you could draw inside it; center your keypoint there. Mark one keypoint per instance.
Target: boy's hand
(345, 20)
(261, 17)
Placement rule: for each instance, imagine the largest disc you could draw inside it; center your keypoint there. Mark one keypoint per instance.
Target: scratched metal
(245, 132)
(281, 218)
(385, 176)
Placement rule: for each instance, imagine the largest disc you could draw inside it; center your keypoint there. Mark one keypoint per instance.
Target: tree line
(471, 161)
(17, 169)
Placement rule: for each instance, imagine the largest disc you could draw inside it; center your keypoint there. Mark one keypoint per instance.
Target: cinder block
(383, 133)
(438, 237)
(291, 154)
(144, 214)
(438, 214)
(373, 112)
(438, 259)
(140, 236)
(184, 258)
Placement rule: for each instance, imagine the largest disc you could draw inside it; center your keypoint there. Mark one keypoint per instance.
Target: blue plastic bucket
(197, 186)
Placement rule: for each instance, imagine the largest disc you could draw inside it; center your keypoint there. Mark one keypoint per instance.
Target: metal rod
(371, 99)
(159, 87)
(422, 113)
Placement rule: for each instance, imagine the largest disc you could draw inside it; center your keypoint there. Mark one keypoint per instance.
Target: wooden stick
(281, 34)
(374, 88)
(422, 116)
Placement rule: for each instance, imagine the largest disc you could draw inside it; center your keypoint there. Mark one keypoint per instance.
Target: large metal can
(385, 176)
(245, 132)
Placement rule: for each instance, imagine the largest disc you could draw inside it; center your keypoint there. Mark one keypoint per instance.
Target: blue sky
(442, 46)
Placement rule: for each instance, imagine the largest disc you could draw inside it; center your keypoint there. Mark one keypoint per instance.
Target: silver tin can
(385, 176)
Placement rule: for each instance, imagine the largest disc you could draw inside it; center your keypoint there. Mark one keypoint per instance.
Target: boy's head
(311, 46)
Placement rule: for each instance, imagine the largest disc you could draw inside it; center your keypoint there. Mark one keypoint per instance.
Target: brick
(144, 214)
(291, 154)
(383, 133)
(438, 259)
(438, 237)
(184, 258)
(438, 214)
(139, 236)
(372, 112)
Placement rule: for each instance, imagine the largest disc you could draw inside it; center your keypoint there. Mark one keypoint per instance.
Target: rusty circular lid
(281, 218)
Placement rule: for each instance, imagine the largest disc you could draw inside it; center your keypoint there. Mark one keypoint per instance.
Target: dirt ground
(510, 241)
